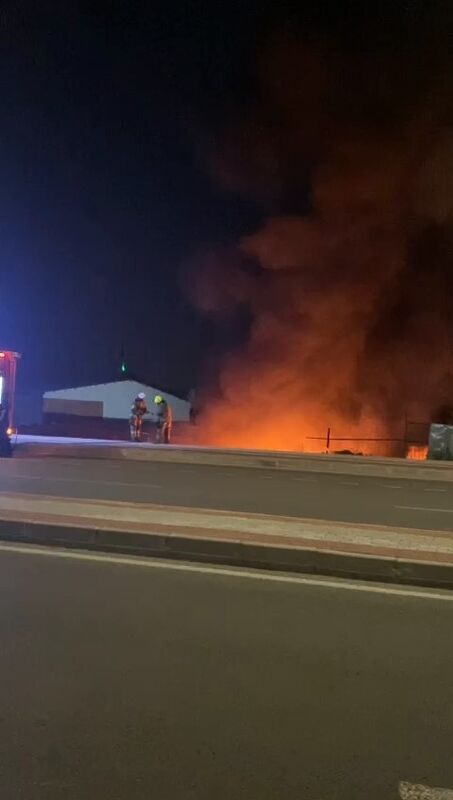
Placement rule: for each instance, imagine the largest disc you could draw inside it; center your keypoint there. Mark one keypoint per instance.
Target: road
(128, 679)
(345, 498)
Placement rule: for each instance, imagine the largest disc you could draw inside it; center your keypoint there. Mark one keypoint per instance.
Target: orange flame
(417, 452)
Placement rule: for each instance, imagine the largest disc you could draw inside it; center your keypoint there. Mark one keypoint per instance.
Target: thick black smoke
(351, 290)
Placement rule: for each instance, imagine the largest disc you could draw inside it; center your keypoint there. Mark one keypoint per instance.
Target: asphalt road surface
(127, 680)
(347, 498)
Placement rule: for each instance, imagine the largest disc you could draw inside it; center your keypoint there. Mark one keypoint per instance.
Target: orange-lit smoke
(350, 301)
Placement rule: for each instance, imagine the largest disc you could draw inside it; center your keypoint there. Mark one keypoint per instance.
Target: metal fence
(413, 442)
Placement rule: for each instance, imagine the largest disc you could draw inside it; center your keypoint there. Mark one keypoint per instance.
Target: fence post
(328, 440)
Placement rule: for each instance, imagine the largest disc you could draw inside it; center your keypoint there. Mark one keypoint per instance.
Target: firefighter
(164, 420)
(138, 411)
(5, 442)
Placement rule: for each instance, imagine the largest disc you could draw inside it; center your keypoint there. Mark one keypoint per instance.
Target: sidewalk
(47, 447)
(300, 545)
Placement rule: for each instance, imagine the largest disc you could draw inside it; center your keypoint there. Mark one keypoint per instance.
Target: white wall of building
(118, 397)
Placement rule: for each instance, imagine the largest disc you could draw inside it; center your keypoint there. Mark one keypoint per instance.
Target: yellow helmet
(158, 399)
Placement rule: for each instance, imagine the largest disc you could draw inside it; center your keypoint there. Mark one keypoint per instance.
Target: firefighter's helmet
(141, 396)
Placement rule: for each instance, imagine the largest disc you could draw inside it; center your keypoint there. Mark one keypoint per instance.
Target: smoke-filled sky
(348, 143)
(253, 199)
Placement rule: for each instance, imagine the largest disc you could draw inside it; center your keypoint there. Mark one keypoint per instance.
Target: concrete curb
(282, 558)
(344, 465)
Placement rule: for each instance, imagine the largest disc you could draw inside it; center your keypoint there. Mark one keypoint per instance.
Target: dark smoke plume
(350, 284)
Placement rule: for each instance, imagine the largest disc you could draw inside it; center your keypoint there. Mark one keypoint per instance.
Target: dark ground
(126, 682)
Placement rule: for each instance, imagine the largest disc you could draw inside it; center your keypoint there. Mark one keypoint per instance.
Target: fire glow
(349, 324)
(417, 452)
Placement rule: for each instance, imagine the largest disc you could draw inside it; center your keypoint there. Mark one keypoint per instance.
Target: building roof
(128, 378)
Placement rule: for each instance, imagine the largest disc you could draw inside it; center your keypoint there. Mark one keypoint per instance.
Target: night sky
(106, 109)
(110, 111)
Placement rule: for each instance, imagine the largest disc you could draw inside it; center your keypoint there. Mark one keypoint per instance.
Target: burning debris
(349, 299)
(417, 452)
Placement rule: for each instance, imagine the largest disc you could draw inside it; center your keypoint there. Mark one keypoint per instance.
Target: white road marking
(423, 508)
(389, 486)
(434, 490)
(416, 791)
(304, 480)
(60, 479)
(151, 563)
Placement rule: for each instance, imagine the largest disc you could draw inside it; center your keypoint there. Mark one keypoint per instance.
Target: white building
(109, 401)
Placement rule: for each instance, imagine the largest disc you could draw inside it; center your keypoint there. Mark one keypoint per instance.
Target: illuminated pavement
(348, 498)
(129, 681)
